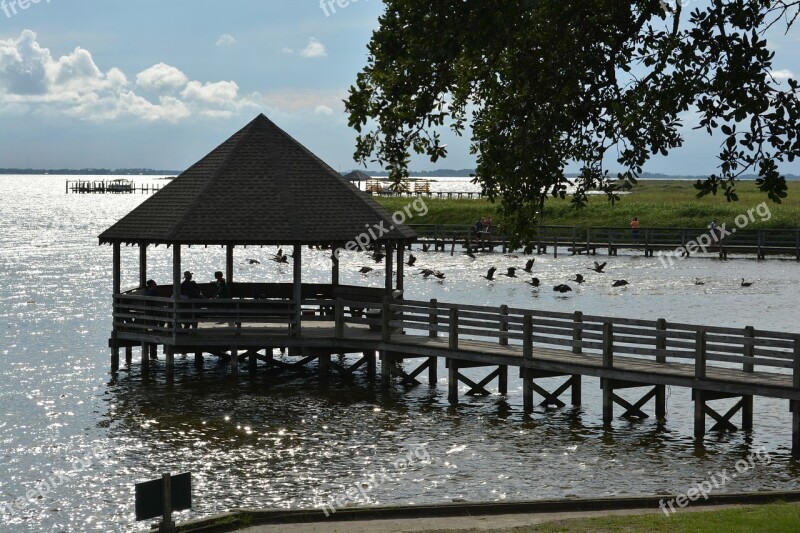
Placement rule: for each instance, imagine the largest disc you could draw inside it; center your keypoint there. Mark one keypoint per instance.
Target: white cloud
(314, 49)
(782, 74)
(286, 50)
(32, 81)
(323, 110)
(226, 40)
(161, 77)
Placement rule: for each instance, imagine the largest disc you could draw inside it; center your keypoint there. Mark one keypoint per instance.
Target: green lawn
(772, 518)
(656, 203)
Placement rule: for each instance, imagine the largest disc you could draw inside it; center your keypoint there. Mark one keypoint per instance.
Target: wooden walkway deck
(714, 362)
(667, 243)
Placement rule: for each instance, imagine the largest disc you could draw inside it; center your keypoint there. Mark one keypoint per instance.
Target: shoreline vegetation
(657, 203)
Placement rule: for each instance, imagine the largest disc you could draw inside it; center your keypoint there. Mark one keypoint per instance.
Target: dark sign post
(160, 497)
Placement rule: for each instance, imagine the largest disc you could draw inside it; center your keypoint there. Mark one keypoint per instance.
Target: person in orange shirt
(635, 229)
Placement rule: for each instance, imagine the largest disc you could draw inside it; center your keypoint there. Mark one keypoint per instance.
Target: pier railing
(463, 327)
(589, 239)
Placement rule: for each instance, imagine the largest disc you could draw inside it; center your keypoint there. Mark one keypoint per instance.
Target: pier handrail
(660, 341)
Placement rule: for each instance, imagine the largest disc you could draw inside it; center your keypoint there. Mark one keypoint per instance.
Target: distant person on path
(479, 229)
(713, 230)
(489, 227)
(635, 229)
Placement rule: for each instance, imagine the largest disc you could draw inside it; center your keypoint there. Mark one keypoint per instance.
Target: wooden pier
(408, 338)
(666, 243)
(114, 186)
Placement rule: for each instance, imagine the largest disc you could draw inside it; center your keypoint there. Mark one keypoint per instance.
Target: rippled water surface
(77, 439)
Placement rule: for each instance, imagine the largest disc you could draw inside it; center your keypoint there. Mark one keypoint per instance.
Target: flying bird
(529, 265)
(562, 288)
(439, 274)
(490, 274)
(426, 272)
(469, 253)
(598, 267)
(253, 262)
(578, 279)
(365, 270)
(378, 257)
(411, 260)
(619, 283)
(746, 283)
(512, 272)
(425, 247)
(698, 281)
(534, 282)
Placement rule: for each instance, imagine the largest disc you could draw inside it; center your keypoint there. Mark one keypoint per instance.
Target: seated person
(189, 289)
(151, 288)
(222, 287)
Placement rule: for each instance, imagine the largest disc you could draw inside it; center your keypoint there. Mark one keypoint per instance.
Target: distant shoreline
(444, 173)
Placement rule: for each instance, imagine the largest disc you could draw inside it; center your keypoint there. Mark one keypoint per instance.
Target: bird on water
(746, 283)
(619, 283)
(562, 288)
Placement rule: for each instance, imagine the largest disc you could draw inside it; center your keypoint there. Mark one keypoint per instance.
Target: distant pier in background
(666, 243)
(114, 186)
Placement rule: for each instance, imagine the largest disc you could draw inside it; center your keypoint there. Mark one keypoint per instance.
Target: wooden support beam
(452, 332)
(370, 356)
(297, 282)
(400, 264)
(433, 318)
(452, 381)
(335, 266)
(527, 353)
(229, 265)
(323, 366)
(433, 368)
(795, 404)
(605, 383)
(142, 264)
(699, 395)
(338, 318)
(385, 370)
(234, 361)
(502, 379)
(503, 324)
(128, 355)
(661, 346)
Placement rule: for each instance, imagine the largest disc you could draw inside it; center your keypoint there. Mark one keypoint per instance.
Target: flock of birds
(511, 272)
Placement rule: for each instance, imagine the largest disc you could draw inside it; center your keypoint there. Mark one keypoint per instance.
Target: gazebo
(260, 187)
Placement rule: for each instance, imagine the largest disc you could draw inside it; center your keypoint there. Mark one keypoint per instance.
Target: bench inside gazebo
(259, 188)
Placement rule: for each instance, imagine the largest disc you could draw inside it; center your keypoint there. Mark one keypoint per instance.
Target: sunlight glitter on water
(282, 440)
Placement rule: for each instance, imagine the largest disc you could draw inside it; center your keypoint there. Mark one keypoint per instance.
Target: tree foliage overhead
(546, 83)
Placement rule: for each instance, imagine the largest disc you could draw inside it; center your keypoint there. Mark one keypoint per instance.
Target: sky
(119, 84)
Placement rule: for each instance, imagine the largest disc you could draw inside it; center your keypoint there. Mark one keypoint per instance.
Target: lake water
(77, 440)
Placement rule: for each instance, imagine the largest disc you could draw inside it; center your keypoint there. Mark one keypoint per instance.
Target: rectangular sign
(150, 496)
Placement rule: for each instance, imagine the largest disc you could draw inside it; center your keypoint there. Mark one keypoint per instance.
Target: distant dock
(113, 186)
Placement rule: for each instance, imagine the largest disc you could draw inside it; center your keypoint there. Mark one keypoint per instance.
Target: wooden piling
(699, 394)
(608, 363)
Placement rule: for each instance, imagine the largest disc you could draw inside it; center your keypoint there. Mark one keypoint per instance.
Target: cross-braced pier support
(529, 386)
(723, 421)
(632, 410)
(390, 366)
(454, 377)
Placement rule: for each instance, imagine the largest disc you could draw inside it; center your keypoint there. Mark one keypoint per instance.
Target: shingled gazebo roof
(260, 186)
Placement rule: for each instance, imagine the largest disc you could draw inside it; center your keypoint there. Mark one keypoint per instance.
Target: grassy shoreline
(668, 203)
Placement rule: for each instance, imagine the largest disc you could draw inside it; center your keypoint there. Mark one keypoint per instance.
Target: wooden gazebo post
(116, 289)
(176, 295)
(142, 264)
(400, 263)
(296, 288)
(229, 264)
(389, 268)
(335, 266)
